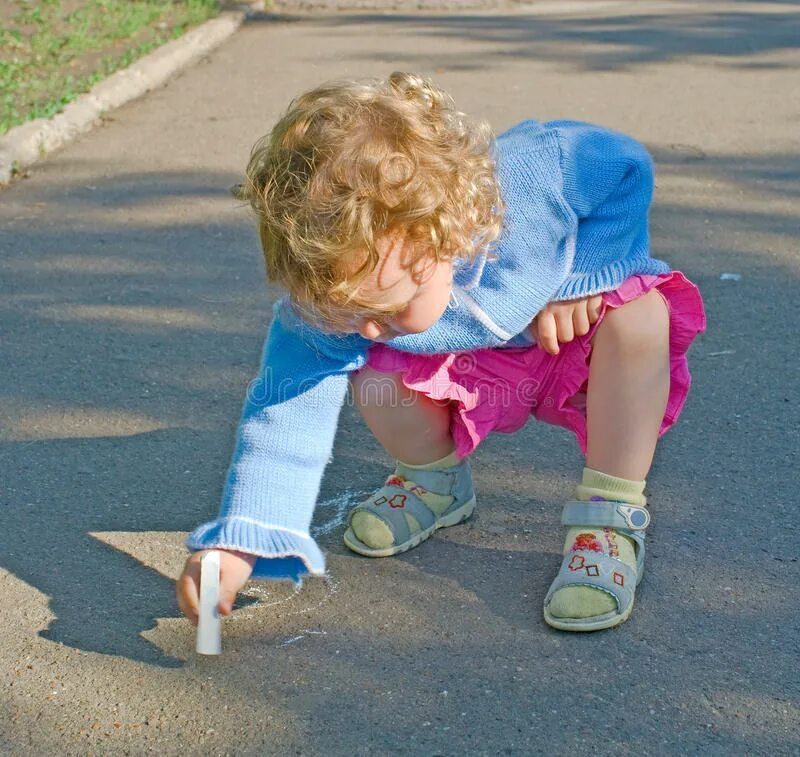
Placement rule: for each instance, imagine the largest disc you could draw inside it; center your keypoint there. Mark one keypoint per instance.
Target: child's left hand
(563, 321)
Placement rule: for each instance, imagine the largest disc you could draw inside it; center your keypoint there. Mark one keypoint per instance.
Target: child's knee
(371, 388)
(640, 325)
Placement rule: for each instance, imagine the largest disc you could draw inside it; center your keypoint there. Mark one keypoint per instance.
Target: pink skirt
(498, 389)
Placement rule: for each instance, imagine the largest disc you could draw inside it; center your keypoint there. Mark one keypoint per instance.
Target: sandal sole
(451, 519)
(587, 624)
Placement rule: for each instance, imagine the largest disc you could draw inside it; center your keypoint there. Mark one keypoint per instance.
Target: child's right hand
(234, 570)
(561, 321)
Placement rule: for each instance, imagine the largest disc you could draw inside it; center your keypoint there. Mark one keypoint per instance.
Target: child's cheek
(422, 313)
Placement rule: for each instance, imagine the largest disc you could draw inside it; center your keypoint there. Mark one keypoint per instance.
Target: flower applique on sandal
(587, 564)
(394, 502)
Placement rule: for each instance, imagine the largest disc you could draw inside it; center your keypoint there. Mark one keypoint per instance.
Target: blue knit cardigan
(577, 197)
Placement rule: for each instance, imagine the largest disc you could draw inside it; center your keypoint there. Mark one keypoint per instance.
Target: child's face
(424, 289)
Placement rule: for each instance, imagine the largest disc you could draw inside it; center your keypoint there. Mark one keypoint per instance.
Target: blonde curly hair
(350, 161)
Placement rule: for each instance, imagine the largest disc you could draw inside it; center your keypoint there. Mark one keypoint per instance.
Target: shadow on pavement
(613, 42)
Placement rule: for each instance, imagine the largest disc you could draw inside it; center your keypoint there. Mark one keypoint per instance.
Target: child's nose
(370, 329)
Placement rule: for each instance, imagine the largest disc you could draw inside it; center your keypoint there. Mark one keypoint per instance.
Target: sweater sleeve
(608, 182)
(283, 443)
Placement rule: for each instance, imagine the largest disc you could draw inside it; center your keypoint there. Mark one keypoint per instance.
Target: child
(457, 284)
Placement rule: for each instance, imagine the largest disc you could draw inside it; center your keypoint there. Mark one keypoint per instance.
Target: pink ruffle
(498, 389)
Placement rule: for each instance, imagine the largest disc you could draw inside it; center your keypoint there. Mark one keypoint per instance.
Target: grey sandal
(392, 501)
(587, 567)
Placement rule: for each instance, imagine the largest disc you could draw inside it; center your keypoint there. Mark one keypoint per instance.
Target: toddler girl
(456, 283)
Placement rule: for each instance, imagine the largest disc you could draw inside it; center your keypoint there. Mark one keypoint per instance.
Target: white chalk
(209, 631)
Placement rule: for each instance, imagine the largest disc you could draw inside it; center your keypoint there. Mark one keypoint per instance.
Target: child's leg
(415, 430)
(627, 394)
(628, 387)
(410, 426)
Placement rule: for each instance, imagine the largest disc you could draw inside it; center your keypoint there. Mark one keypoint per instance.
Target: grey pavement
(133, 311)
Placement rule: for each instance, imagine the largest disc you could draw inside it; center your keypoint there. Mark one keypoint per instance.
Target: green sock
(374, 532)
(584, 601)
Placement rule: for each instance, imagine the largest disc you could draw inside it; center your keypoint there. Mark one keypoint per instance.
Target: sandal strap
(585, 567)
(605, 513)
(389, 504)
(450, 481)
(638, 540)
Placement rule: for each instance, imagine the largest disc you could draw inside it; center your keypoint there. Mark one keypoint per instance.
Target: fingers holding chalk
(207, 589)
(186, 590)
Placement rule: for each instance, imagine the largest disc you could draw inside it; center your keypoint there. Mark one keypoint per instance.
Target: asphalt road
(132, 316)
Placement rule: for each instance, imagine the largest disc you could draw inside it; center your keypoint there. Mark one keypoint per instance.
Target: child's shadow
(511, 583)
(102, 598)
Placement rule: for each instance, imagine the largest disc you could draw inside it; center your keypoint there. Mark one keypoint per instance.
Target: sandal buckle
(637, 518)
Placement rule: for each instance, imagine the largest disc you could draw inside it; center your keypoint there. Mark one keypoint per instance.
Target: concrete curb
(25, 144)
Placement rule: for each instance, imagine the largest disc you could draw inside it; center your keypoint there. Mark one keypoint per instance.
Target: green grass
(53, 50)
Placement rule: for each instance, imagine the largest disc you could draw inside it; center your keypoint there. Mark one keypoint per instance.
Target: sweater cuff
(608, 278)
(282, 553)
